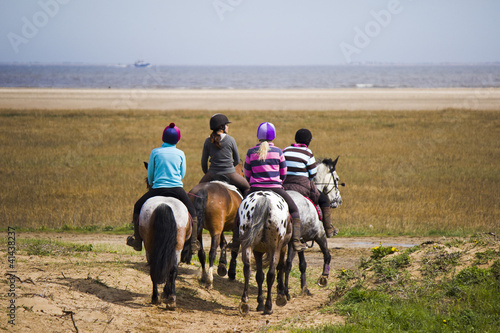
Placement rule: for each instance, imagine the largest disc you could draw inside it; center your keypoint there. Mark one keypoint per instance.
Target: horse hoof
(305, 292)
(171, 303)
(281, 300)
(222, 270)
(260, 307)
(155, 301)
(231, 276)
(244, 308)
(323, 281)
(268, 311)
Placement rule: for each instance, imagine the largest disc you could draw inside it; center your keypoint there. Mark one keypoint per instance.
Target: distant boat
(142, 63)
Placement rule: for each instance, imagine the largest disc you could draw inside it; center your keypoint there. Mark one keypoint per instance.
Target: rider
(166, 169)
(301, 169)
(221, 148)
(265, 169)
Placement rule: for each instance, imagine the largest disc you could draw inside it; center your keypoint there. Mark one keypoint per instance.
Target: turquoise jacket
(167, 167)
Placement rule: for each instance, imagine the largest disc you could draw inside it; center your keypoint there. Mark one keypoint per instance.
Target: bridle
(335, 184)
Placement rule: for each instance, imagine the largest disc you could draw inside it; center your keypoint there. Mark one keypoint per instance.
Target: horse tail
(200, 204)
(259, 218)
(163, 256)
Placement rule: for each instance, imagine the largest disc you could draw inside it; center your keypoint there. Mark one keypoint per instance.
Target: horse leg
(171, 298)
(303, 281)
(271, 275)
(232, 266)
(245, 255)
(211, 259)
(259, 277)
(202, 257)
(288, 269)
(281, 298)
(323, 245)
(222, 269)
(154, 298)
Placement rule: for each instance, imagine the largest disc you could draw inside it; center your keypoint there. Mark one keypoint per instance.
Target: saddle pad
(230, 187)
(318, 210)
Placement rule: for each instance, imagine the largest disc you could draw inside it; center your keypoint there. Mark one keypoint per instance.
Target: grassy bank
(406, 173)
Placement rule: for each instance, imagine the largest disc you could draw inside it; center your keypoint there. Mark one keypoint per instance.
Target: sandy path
(327, 99)
(110, 292)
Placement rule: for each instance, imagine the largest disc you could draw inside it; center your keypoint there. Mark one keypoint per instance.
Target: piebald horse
(265, 228)
(327, 181)
(164, 226)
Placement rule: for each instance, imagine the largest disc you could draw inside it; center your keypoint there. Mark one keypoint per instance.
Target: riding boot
(234, 245)
(195, 244)
(136, 240)
(296, 242)
(327, 224)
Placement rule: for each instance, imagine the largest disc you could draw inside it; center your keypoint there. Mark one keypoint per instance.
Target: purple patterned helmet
(171, 134)
(266, 131)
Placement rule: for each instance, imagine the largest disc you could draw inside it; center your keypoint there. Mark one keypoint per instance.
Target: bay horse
(327, 181)
(265, 228)
(164, 226)
(216, 204)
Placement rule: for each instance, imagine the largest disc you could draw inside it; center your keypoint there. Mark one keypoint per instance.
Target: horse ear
(335, 162)
(146, 165)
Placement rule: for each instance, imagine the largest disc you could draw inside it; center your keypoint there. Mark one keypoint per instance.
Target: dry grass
(415, 173)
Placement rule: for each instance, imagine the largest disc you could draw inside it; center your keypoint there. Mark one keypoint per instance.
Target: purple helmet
(266, 131)
(171, 134)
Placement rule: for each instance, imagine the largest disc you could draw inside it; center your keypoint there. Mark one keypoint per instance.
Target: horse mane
(331, 164)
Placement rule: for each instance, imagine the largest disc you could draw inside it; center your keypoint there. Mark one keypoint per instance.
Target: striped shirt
(269, 172)
(300, 161)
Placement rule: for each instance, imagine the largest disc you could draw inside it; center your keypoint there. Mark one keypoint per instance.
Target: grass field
(406, 173)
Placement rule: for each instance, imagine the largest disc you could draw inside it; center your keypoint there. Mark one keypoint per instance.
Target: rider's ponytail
(215, 138)
(263, 149)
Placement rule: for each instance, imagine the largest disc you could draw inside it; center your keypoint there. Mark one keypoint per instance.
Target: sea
(360, 76)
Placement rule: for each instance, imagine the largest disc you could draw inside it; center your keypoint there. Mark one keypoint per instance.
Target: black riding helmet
(217, 121)
(303, 136)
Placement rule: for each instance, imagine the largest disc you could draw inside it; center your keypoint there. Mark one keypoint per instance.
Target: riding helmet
(304, 136)
(266, 131)
(217, 121)
(171, 134)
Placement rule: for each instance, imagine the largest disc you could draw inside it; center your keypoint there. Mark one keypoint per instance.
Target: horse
(216, 204)
(327, 181)
(265, 228)
(164, 226)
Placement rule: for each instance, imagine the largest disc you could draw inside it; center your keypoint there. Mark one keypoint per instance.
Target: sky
(249, 32)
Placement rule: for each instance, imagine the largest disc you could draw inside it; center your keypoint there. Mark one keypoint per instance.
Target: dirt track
(110, 292)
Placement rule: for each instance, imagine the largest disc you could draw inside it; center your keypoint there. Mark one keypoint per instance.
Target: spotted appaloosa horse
(164, 226)
(327, 181)
(265, 228)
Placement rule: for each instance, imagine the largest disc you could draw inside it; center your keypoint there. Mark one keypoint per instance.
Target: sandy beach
(285, 100)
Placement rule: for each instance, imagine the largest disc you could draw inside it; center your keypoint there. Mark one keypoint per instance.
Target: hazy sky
(249, 32)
